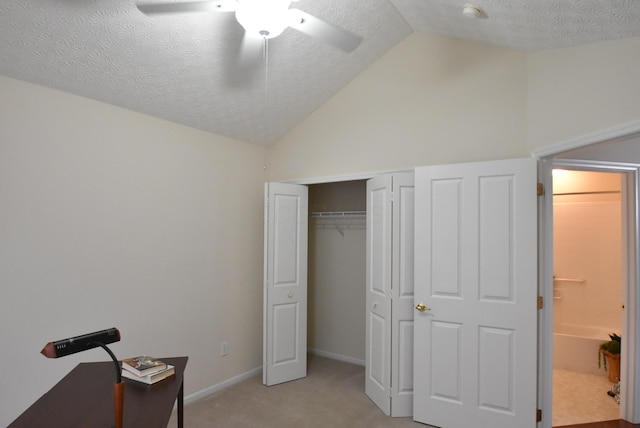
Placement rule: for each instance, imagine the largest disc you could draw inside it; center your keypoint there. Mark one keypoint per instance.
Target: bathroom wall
(587, 246)
(337, 272)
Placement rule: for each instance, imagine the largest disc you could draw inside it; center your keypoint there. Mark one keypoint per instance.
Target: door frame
(364, 176)
(630, 173)
(549, 157)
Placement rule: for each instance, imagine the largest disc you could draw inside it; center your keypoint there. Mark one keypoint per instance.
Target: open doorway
(587, 294)
(337, 270)
(614, 150)
(349, 259)
(286, 269)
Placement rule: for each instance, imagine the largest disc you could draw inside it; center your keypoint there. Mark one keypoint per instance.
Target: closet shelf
(339, 214)
(339, 220)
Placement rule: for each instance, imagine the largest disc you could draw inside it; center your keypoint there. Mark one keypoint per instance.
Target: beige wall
(577, 91)
(587, 245)
(433, 100)
(110, 218)
(430, 100)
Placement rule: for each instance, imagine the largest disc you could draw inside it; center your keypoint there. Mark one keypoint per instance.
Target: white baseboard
(203, 393)
(338, 357)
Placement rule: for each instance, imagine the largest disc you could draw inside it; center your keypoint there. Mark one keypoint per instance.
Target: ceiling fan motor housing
(263, 19)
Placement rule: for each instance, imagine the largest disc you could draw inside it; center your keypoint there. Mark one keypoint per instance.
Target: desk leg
(181, 406)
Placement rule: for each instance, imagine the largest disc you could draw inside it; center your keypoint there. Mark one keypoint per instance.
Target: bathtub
(576, 348)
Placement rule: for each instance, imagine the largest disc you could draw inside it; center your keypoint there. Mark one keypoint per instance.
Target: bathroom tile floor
(581, 398)
(607, 424)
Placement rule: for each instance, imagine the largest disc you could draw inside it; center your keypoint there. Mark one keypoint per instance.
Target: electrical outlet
(224, 348)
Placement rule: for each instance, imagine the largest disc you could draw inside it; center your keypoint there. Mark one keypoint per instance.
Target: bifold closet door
(378, 295)
(285, 283)
(389, 324)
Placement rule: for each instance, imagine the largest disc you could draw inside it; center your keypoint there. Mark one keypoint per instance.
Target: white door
(389, 324)
(402, 296)
(285, 288)
(378, 295)
(475, 272)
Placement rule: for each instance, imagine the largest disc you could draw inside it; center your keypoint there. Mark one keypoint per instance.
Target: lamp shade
(63, 347)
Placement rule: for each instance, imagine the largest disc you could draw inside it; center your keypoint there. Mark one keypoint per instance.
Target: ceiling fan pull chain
(265, 55)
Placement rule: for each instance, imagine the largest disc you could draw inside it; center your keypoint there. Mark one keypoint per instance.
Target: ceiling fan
(263, 19)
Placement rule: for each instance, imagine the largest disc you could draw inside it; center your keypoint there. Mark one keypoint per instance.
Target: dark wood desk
(84, 398)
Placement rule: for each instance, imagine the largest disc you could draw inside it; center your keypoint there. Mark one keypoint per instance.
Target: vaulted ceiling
(187, 67)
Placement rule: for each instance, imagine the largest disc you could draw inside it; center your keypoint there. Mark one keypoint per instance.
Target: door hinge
(540, 302)
(540, 189)
(539, 415)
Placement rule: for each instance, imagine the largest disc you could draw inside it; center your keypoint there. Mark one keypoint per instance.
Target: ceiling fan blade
(323, 30)
(245, 62)
(150, 8)
(251, 51)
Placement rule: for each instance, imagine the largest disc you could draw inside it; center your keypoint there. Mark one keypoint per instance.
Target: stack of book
(146, 369)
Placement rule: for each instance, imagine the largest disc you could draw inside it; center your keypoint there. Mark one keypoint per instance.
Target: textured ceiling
(527, 24)
(186, 68)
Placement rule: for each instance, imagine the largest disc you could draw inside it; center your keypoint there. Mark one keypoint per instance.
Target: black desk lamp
(101, 338)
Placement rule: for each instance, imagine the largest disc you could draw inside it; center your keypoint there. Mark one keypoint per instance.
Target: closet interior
(337, 270)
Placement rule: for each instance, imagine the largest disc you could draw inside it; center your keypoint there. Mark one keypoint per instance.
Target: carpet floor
(332, 395)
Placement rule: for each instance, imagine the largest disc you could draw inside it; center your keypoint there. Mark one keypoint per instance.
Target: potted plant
(609, 354)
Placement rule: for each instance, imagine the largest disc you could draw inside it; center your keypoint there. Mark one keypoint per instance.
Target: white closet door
(476, 338)
(402, 312)
(285, 288)
(378, 295)
(389, 341)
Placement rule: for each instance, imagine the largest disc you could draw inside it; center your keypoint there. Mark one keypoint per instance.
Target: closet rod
(603, 192)
(339, 214)
(578, 280)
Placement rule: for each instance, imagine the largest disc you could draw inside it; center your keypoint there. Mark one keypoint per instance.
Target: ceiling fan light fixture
(472, 11)
(263, 18)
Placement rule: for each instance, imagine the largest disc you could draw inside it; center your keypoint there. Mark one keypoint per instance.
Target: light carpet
(332, 395)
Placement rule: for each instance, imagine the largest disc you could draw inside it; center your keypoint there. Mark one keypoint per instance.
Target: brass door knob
(422, 307)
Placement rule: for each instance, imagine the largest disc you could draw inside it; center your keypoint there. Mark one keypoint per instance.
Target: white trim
(629, 365)
(265, 251)
(607, 134)
(339, 178)
(595, 165)
(339, 357)
(204, 393)
(545, 272)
